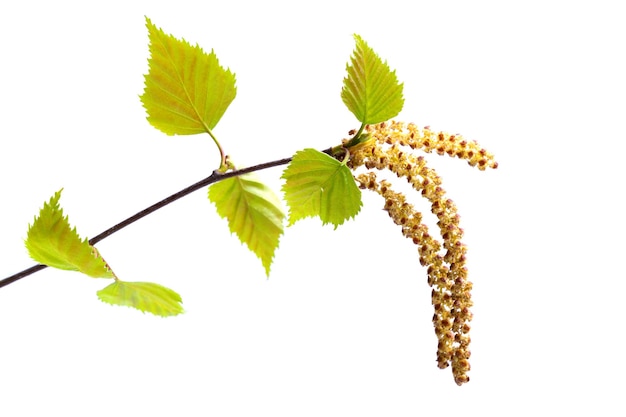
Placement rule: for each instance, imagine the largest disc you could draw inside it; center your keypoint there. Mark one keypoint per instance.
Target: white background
(342, 327)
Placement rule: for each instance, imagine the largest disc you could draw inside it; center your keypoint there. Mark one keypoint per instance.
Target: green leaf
(51, 241)
(253, 212)
(144, 296)
(186, 91)
(371, 90)
(319, 185)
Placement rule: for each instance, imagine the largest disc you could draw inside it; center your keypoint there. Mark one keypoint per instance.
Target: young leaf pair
(53, 242)
(187, 92)
(318, 185)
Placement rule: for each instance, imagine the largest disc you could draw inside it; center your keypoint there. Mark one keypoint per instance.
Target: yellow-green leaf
(371, 91)
(51, 241)
(319, 185)
(254, 214)
(186, 90)
(144, 296)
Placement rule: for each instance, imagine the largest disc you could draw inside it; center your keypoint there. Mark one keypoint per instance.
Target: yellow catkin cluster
(447, 274)
(430, 141)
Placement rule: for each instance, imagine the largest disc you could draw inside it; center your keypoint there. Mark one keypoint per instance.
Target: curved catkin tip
(442, 143)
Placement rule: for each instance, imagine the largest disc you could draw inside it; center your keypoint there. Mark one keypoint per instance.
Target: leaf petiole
(224, 163)
(356, 139)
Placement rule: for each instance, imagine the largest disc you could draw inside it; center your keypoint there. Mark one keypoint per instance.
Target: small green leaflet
(51, 241)
(186, 90)
(253, 212)
(144, 296)
(371, 90)
(318, 185)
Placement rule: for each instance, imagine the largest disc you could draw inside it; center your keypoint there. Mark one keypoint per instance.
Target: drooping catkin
(390, 147)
